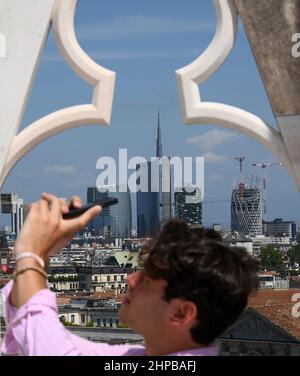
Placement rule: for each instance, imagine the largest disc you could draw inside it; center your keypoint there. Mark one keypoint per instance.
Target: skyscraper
(147, 208)
(158, 140)
(13, 205)
(115, 220)
(154, 206)
(279, 228)
(163, 197)
(186, 209)
(247, 208)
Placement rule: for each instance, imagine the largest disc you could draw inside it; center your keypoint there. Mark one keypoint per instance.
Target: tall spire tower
(154, 206)
(158, 140)
(164, 197)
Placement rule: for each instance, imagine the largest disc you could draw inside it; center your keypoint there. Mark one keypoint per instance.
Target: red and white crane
(264, 166)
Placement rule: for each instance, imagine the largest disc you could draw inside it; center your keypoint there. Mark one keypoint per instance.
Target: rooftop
(276, 306)
(66, 298)
(281, 315)
(236, 238)
(270, 297)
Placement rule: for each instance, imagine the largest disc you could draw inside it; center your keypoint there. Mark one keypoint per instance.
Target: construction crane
(241, 160)
(241, 184)
(264, 166)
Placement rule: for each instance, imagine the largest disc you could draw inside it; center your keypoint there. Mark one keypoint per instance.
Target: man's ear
(183, 312)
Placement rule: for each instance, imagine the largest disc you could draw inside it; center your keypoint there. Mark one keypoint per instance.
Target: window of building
(82, 318)
(72, 318)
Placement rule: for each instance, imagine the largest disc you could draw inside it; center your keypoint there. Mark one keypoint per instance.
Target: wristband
(37, 258)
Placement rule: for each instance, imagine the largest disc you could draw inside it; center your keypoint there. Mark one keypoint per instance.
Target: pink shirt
(35, 329)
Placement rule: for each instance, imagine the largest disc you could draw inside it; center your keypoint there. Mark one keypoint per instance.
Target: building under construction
(247, 207)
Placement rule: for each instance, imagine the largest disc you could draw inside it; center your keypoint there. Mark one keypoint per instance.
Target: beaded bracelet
(33, 268)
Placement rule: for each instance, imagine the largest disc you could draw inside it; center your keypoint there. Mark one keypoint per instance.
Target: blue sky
(145, 42)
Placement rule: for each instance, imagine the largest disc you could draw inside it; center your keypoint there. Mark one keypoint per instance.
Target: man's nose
(134, 279)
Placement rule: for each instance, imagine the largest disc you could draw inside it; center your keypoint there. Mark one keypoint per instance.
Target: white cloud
(210, 157)
(61, 170)
(128, 26)
(56, 169)
(86, 179)
(208, 141)
(126, 55)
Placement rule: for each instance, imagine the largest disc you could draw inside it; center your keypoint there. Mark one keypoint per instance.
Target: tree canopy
(294, 255)
(271, 258)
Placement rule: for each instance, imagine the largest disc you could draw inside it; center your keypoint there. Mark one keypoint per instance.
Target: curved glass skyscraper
(247, 208)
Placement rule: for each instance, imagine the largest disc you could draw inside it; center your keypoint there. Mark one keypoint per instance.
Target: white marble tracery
(2, 46)
(14, 146)
(197, 111)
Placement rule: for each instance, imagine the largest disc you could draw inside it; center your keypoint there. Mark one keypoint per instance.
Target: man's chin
(121, 314)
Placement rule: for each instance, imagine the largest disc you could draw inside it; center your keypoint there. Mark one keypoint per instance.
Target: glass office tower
(115, 220)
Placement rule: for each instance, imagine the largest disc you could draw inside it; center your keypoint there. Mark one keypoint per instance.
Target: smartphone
(73, 213)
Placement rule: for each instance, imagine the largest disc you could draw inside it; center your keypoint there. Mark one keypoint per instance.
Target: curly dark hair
(199, 268)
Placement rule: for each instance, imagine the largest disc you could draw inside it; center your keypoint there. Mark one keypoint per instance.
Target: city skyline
(134, 196)
(145, 45)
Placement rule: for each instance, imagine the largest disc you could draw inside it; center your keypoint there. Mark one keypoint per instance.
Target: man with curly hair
(189, 289)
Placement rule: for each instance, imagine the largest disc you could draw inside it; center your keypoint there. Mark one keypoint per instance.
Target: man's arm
(27, 284)
(43, 230)
(35, 329)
